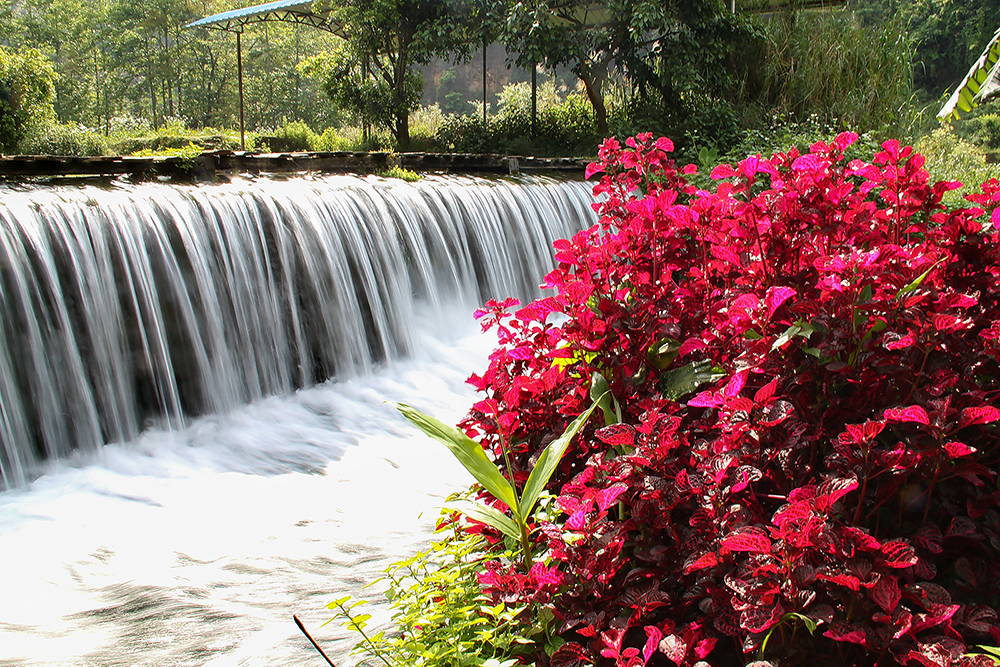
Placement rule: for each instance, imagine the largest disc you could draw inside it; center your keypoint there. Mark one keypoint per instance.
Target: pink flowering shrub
(799, 460)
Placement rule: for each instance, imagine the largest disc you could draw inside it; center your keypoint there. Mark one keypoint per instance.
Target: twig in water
(311, 640)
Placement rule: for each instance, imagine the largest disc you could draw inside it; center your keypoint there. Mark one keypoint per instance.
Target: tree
(386, 39)
(27, 92)
(667, 48)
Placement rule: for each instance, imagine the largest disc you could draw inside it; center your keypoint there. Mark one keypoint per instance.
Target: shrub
(292, 136)
(58, 139)
(799, 460)
(27, 92)
(948, 156)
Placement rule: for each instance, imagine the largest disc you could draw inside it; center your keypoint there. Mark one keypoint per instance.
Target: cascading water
(154, 536)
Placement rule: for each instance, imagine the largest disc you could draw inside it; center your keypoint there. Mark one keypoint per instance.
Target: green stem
(372, 647)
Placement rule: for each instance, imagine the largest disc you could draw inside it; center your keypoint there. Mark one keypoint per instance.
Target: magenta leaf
(913, 413)
(705, 560)
(886, 593)
(985, 414)
(777, 296)
(759, 618)
(843, 632)
(746, 539)
(898, 554)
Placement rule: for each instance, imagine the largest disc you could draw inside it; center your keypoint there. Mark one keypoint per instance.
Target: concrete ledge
(211, 165)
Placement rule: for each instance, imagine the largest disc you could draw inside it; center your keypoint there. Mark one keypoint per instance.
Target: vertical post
(239, 70)
(534, 98)
(484, 80)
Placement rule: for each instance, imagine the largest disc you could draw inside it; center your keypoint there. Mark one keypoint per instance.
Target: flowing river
(197, 389)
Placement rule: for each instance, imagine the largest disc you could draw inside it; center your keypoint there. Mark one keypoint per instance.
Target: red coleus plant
(799, 460)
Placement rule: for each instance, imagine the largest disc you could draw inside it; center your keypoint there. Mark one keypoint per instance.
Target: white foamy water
(195, 547)
(195, 541)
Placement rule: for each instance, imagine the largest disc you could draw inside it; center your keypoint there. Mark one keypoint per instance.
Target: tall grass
(826, 65)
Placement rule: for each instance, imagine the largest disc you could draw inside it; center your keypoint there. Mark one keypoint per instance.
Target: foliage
(27, 90)
(441, 613)
(372, 73)
(187, 154)
(670, 50)
(948, 35)
(800, 459)
(62, 139)
(829, 64)
(401, 173)
(520, 504)
(950, 157)
(563, 126)
(292, 136)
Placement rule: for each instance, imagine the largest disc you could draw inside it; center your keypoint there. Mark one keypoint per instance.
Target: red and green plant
(797, 459)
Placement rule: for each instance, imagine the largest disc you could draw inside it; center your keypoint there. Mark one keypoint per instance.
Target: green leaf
(549, 461)
(810, 624)
(682, 381)
(338, 602)
(600, 393)
(918, 280)
(750, 334)
(491, 516)
(468, 452)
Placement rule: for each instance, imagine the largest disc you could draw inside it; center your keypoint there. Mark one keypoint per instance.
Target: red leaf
(985, 414)
(690, 345)
(722, 171)
(706, 560)
(766, 393)
(674, 647)
(570, 654)
(747, 539)
(842, 632)
(758, 619)
(886, 593)
(958, 449)
(929, 538)
(898, 554)
(845, 580)
(607, 497)
(653, 636)
(617, 435)
(777, 296)
(809, 162)
(913, 413)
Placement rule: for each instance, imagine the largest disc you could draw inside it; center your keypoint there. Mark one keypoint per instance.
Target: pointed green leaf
(468, 452)
(917, 281)
(549, 461)
(600, 393)
(682, 381)
(488, 515)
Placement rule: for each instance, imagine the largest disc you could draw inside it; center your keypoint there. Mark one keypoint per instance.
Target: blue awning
(288, 11)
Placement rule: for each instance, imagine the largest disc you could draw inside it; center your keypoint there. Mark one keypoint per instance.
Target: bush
(58, 139)
(293, 136)
(27, 92)
(798, 463)
(951, 158)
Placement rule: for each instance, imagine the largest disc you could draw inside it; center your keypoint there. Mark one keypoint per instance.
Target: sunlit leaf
(548, 461)
(491, 516)
(468, 452)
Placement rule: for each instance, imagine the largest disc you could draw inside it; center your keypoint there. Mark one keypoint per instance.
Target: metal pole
(484, 81)
(239, 70)
(534, 98)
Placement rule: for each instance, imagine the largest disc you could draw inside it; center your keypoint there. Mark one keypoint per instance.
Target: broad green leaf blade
(468, 452)
(682, 381)
(488, 515)
(549, 461)
(978, 84)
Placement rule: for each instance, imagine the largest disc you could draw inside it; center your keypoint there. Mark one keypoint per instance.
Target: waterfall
(128, 306)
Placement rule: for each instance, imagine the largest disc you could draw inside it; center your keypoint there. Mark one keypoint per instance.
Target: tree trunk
(402, 67)
(593, 80)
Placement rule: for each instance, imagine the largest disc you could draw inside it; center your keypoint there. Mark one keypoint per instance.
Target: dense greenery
(794, 460)
(692, 70)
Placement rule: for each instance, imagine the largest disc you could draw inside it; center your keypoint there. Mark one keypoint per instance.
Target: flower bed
(794, 456)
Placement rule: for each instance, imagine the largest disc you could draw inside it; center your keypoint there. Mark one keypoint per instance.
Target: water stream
(196, 400)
